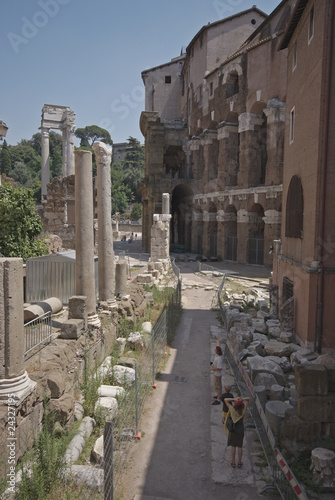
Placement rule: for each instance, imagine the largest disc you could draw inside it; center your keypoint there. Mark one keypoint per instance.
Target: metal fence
(38, 331)
(283, 478)
(125, 427)
(121, 433)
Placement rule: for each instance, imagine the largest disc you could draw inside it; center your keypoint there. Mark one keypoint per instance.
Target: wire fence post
(136, 397)
(153, 355)
(108, 461)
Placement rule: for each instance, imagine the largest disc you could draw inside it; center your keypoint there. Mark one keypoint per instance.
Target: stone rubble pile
(295, 385)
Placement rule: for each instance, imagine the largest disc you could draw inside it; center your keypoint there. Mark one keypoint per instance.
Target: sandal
(239, 465)
(233, 465)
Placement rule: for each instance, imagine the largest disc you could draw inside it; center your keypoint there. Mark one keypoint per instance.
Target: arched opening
(256, 235)
(174, 162)
(212, 230)
(232, 84)
(181, 203)
(230, 233)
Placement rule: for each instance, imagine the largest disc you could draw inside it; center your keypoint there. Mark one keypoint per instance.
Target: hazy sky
(89, 55)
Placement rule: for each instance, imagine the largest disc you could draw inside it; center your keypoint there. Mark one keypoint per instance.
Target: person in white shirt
(216, 368)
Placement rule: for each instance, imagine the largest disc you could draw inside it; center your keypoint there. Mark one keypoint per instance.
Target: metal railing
(38, 331)
(284, 479)
(121, 433)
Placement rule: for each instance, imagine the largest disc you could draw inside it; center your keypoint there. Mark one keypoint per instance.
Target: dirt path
(182, 454)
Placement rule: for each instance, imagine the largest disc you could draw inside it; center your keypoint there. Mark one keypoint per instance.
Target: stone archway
(256, 235)
(181, 216)
(59, 118)
(230, 223)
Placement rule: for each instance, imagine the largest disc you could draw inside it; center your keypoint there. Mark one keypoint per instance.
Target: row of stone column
(13, 377)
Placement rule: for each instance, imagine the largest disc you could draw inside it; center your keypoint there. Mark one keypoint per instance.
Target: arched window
(232, 85)
(294, 209)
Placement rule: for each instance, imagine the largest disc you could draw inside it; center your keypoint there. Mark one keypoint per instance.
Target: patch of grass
(45, 464)
(301, 469)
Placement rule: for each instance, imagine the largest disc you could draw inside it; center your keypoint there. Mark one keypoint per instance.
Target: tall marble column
(13, 377)
(85, 278)
(103, 156)
(45, 174)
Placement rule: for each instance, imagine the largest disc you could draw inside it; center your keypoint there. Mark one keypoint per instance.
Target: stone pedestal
(85, 278)
(323, 466)
(103, 155)
(13, 377)
(160, 241)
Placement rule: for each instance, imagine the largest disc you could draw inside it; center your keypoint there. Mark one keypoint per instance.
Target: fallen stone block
(72, 329)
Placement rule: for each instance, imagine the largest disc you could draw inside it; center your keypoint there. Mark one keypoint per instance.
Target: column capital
(247, 121)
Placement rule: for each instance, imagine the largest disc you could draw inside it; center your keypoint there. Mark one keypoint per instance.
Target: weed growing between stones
(44, 466)
(301, 467)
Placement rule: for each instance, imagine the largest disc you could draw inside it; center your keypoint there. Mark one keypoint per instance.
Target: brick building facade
(220, 157)
(304, 263)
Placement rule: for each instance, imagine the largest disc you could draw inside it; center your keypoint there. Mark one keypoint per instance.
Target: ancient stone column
(228, 155)
(85, 278)
(275, 113)
(103, 155)
(68, 151)
(13, 377)
(121, 277)
(165, 203)
(249, 164)
(45, 173)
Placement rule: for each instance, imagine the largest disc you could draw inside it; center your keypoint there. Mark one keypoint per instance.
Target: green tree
(5, 159)
(136, 212)
(20, 226)
(21, 174)
(121, 193)
(92, 133)
(134, 166)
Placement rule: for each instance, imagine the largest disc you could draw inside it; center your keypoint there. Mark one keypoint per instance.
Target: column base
(93, 320)
(18, 387)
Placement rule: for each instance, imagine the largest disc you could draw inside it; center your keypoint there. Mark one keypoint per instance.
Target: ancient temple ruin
(59, 118)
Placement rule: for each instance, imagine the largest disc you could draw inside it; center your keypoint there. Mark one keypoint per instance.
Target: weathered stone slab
(283, 362)
(106, 407)
(260, 391)
(276, 392)
(299, 430)
(311, 380)
(144, 279)
(256, 347)
(98, 450)
(72, 329)
(260, 325)
(257, 364)
(275, 348)
(316, 408)
(302, 355)
(135, 341)
(91, 477)
(123, 375)
(147, 327)
(111, 391)
(275, 412)
(286, 337)
(265, 379)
